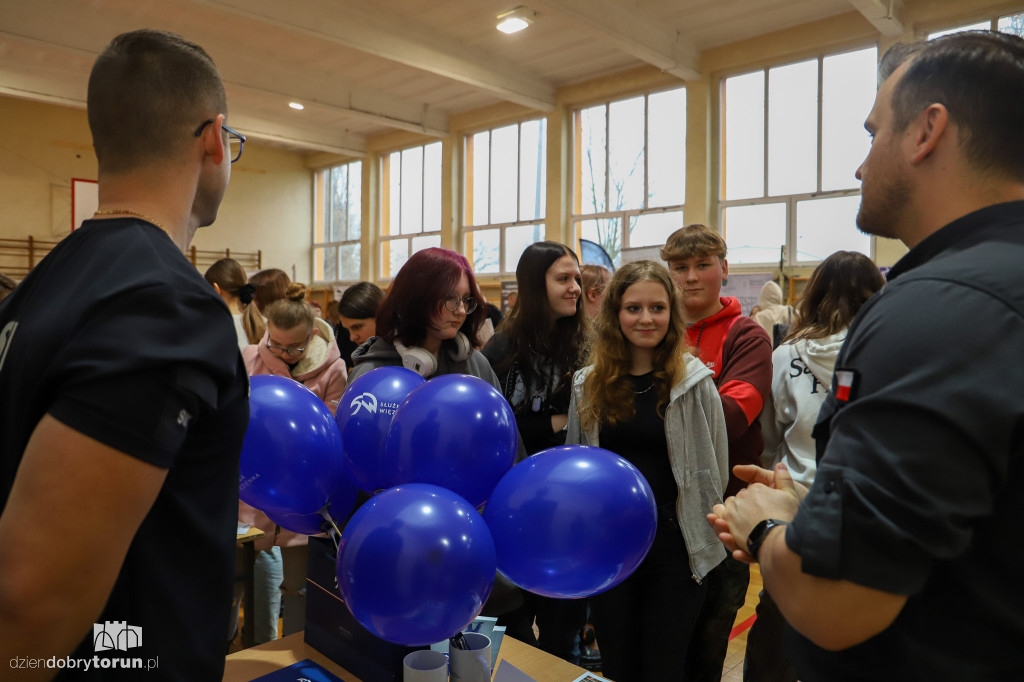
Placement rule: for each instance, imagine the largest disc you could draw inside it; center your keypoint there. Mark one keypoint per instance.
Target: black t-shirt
(118, 337)
(922, 450)
(641, 441)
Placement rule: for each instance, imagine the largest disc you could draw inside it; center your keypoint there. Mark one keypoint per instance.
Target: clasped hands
(770, 494)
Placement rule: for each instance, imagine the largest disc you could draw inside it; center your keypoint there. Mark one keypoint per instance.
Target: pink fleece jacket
(322, 371)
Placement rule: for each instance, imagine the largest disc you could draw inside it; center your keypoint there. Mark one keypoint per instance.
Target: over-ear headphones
(423, 362)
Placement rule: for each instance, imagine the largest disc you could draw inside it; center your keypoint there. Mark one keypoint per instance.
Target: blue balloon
(339, 506)
(455, 431)
(570, 522)
(291, 457)
(364, 417)
(415, 564)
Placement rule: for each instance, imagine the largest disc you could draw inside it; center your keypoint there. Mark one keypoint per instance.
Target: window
(410, 214)
(504, 194)
(792, 138)
(1011, 23)
(337, 225)
(629, 171)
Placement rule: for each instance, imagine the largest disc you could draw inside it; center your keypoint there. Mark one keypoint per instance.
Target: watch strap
(757, 535)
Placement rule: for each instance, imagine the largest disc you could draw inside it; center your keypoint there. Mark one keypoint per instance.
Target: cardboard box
(334, 632)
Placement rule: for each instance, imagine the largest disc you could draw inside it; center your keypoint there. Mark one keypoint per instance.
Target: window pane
(355, 200)
(653, 229)
(412, 190)
(425, 242)
(504, 168)
(348, 258)
(330, 263)
(824, 226)
(666, 148)
(339, 209)
(626, 154)
(532, 173)
(793, 128)
(1012, 24)
(390, 226)
(486, 249)
(743, 136)
(848, 85)
(980, 26)
(432, 187)
(397, 251)
(517, 239)
(481, 179)
(607, 232)
(754, 234)
(592, 160)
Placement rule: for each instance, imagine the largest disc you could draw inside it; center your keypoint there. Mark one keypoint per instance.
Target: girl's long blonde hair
(607, 391)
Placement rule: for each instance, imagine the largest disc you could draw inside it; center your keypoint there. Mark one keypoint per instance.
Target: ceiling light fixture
(296, 105)
(515, 20)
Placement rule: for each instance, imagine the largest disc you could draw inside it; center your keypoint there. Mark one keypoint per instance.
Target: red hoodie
(739, 352)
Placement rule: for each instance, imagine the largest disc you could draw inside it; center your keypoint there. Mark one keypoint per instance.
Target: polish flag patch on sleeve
(846, 383)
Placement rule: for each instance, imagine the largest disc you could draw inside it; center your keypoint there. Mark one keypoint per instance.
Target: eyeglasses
(289, 351)
(235, 139)
(452, 301)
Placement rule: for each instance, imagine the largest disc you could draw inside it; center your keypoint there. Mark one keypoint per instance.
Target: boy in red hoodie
(739, 352)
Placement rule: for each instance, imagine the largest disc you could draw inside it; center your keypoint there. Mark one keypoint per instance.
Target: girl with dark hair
(802, 377)
(428, 320)
(648, 399)
(357, 310)
(535, 352)
(228, 279)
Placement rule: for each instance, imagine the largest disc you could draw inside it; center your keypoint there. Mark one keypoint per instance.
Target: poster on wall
(509, 294)
(747, 288)
(84, 201)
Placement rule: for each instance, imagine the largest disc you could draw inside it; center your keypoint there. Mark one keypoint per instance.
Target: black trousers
(727, 590)
(765, 659)
(643, 624)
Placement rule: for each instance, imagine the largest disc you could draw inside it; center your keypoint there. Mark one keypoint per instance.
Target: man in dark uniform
(124, 397)
(903, 560)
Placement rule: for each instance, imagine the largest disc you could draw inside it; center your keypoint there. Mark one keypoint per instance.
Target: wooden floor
(733, 669)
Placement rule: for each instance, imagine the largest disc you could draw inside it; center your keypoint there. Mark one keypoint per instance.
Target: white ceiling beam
(365, 27)
(275, 81)
(638, 36)
(266, 130)
(885, 15)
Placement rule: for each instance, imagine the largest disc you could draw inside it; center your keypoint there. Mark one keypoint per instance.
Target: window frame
(323, 218)
(383, 246)
(789, 255)
(467, 231)
(625, 215)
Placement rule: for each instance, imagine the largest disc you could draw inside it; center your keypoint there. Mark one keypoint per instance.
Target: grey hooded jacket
(698, 448)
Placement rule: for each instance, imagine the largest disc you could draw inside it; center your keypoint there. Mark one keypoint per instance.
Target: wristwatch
(759, 533)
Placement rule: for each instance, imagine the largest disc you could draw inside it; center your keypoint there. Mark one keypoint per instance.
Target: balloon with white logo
(364, 417)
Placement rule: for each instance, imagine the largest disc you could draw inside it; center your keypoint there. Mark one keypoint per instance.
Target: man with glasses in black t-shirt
(124, 398)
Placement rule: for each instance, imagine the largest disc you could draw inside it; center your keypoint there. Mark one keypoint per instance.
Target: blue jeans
(268, 574)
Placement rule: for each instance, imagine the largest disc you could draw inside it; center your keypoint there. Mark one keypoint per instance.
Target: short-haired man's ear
(213, 139)
(725, 271)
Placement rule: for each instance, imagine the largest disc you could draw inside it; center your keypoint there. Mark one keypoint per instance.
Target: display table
(264, 659)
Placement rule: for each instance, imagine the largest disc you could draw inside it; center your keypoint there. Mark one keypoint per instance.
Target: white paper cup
(425, 666)
(472, 664)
